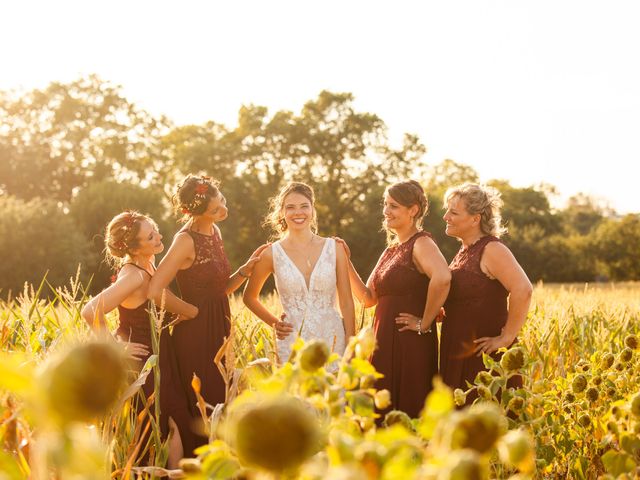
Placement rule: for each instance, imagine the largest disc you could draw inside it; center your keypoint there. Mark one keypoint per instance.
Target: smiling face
(460, 222)
(396, 215)
(149, 240)
(297, 211)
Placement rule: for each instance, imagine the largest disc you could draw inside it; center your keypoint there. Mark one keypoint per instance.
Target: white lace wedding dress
(310, 309)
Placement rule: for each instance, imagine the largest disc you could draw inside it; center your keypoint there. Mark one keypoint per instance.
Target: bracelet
(242, 274)
(419, 325)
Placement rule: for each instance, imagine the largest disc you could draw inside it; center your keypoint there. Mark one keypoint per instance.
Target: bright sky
(536, 91)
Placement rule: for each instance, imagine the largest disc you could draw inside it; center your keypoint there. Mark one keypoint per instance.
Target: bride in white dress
(311, 277)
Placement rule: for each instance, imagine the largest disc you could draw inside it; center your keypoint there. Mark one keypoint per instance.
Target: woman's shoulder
(423, 236)
(493, 245)
(423, 239)
(183, 238)
(132, 276)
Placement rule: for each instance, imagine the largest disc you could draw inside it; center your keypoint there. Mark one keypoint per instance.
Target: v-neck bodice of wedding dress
(310, 309)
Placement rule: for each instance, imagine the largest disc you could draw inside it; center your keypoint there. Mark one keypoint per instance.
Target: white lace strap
(331, 252)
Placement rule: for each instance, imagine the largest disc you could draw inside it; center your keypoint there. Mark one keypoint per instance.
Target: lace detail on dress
(210, 269)
(470, 284)
(312, 311)
(396, 273)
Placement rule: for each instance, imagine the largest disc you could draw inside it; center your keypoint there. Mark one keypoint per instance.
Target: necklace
(308, 260)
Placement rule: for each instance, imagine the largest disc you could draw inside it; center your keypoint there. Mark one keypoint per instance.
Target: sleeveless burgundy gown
(476, 307)
(407, 360)
(196, 342)
(135, 326)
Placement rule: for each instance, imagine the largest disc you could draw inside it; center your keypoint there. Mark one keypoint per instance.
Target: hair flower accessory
(202, 188)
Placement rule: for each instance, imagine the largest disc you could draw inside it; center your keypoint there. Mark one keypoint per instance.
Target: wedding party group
(481, 298)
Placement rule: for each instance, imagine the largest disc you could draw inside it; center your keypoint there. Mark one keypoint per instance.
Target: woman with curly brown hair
(197, 260)
(132, 241)
(311, 277)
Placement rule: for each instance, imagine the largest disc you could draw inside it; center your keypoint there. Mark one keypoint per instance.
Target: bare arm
(95, 310)
(245, 271)
(180, 256)
(175, 304)
(498, 262)
(345, 297)
(365, 293)
(251, 296)
(428, 258)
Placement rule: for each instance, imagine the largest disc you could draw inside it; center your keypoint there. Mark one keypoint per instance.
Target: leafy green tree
(617, 243)
(60, 138)
(342, 153)
(552, 258)
(582, 214)
(526, 207)
(38, 237)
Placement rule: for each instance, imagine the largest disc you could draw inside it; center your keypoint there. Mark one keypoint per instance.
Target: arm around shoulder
(345, 296)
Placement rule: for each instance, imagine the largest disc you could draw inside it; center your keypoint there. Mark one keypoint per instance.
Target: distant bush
(38, 236)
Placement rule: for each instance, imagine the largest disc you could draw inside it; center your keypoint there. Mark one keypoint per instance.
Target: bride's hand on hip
(283, 329)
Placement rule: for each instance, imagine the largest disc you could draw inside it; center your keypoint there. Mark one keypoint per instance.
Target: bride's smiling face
(297, 211)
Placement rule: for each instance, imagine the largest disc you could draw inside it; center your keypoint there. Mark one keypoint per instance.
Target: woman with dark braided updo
(197, 260)
(408, 286)
(490, 293)
(132, 241)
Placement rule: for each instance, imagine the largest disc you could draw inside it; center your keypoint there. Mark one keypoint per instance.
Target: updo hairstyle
(193, 195)
(121, 236)
(408, 193)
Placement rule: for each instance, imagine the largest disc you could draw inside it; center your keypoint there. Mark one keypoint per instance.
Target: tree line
(74, 154)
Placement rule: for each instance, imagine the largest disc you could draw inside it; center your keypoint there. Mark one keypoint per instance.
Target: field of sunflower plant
(70, 409)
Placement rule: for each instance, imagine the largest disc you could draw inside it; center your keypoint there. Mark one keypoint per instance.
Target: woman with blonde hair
(408, 287)
(309, 273)
(132, 241)
(490, 293)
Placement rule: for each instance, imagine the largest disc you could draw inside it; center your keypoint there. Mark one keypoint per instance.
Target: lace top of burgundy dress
(209, 273)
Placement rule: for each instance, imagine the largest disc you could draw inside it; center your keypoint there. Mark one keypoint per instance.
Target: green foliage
(590, 334)
(38, 237)
(616, 243)
(60, 138)
(86, 146)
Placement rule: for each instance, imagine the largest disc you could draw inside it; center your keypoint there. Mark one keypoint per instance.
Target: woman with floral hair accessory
(196, 259)
(131, 242)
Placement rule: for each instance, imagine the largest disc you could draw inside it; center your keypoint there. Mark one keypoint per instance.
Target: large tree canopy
(56, 140)
(85, 152)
